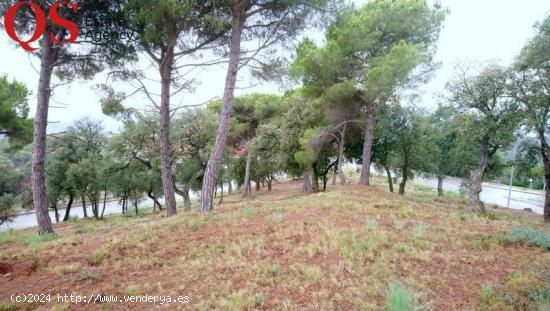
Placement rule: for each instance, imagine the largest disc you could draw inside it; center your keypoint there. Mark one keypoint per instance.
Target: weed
(308, 273)
(399, 298)
(36, 240)
(14, 236)
(86, 276)
(371, 224)
(419, 231)
(398, 224)
(487, 242)
(356, 245)
(531, 236)
(277, 216)
(486, 295)
(133, 289)
(10, 306)
(274, 268)
(98, 257)
(85, 229)
(248, 212)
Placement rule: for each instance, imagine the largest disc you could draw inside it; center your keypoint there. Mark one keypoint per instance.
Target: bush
(531, 236)
(399, 298)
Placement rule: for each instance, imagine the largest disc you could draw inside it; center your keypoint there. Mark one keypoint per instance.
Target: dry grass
(283, 250)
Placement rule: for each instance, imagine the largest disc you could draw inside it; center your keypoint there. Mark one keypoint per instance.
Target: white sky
(475, 31)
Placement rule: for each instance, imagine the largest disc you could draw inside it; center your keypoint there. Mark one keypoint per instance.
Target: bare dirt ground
(283, 250)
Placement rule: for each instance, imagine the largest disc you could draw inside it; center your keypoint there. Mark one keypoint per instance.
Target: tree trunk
(104, 204)
(341, 156)
(440, 182)
(367, 145)
(186, 201)
(270, 183)
(214, 163)
(68, 209)
(545, 152)
(221, 195)
(245, 192)
(547, 190)
(56, 211)
(124, 204)
(136, 207)
(258, 184)
(335, 175)
(84, 208)
(165, 161)
(315, 179)
(156, 203)
(47, 59)
(95, 208)
(230, 187)
(307, 187)
(476, 178)
(403, 182)
(390, 181)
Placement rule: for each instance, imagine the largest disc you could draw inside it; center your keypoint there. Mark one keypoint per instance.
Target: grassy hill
(351, 248)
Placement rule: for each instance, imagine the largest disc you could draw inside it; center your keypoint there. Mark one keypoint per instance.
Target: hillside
(284, 250)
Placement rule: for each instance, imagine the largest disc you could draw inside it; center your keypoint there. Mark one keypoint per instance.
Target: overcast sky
(475, 31)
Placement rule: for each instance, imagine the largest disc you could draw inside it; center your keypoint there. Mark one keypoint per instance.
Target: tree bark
(440, 178)
(56, 211)
(545, 153)
(341, 156)
(230, 187)
(476, 178)
(186, 201)
(367, 145)
(104, 204)
(314, 180)
(214, 163)
(270, 183)
(390, 181)
(245, 192)
(221, 194)
(68, 209)
(307, 187)
(156, 203)
(84, 208)
(165, 160)
(403, 182)
(47, 59)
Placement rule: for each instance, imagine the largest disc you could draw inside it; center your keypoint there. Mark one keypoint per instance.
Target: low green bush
(531, 236)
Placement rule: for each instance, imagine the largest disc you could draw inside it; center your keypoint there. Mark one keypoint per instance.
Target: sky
(475, 32)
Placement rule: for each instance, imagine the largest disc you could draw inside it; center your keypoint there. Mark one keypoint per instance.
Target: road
(113, 207)
(520, 199)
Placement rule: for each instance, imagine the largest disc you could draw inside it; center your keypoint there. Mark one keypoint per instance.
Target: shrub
(399, 298)
(531, 236)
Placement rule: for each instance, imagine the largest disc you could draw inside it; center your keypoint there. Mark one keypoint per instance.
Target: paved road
(113, 207)
(520, 199)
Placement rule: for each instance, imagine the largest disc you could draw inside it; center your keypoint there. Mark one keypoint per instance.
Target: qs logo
(41, 23)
